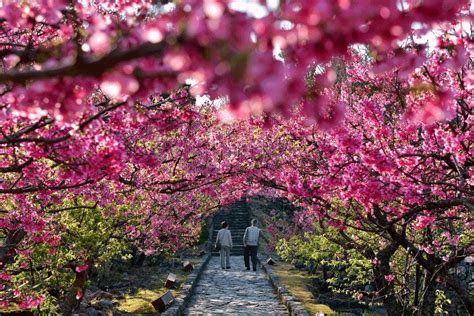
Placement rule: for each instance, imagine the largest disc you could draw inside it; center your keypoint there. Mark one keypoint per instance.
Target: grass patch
(140, 302)
(297, 283)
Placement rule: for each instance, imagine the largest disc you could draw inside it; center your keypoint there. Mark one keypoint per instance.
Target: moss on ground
(140, 302)
(297, 283)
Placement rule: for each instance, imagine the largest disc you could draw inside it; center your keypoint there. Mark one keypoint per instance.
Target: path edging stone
(294, 306)
(187, 290)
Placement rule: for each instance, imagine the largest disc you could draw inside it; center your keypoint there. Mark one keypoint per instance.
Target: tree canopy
(125, 123)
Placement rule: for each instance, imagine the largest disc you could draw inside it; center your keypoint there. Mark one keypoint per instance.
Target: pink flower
(117, 85)
(153, 35)
(213, 8)
(427, 249)
(11, 61)
(389, 278)
(79, 295)
(81, 268)
(5, 277)
(30, 302)
(375, 261)
(423, 221)
(99, 43)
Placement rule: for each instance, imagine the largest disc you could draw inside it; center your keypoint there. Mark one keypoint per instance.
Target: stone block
(163, 301)
(170, 281)
(187, 266)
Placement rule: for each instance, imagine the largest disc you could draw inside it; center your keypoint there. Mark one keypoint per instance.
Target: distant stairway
(237, 215)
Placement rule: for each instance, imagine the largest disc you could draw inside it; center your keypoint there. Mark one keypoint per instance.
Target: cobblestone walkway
(234, 292)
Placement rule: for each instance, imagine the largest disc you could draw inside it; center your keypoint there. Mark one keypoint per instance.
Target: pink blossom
(79, 295)
(99, 42)
(423, 221)
(5, 277)
(11, 60)
(153, 35)
(453, 240)
(389, 278)
(118, 85)
(29, 302)
(81, 268)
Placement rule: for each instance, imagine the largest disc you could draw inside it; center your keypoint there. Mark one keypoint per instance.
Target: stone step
(233, 234)
(237, 215)
(236, 240)
(234, 250)
(227, 219)
(238, 246)
(241, 212)
(233, 213)
(239, 232)
(232, 230)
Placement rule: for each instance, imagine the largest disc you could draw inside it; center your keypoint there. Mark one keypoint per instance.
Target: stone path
(234, 292)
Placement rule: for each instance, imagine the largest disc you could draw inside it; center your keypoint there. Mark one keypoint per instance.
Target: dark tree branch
(88, 66)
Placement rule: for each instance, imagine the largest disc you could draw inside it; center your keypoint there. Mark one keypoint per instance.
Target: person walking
(224, 242)
(251, 236)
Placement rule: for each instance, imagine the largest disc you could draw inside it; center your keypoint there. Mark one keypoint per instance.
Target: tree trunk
(463, 293)
(428, 298)
(14, 237)
(325, 272)
(417, 285)
(71, 300)
(385, 288)
(140, 260)
(451, 281)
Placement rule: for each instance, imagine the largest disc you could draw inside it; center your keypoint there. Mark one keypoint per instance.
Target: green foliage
(440, 302)
(88, 236)
(204, 234)
(347, 270)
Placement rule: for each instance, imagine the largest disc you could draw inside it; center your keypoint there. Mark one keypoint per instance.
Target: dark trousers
(252, 252)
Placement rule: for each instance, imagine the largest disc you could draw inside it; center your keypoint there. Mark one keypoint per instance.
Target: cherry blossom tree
(399, 167)
(99, 119)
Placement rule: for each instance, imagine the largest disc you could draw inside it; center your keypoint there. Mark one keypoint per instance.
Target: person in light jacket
(224, 238)
(251, 235)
